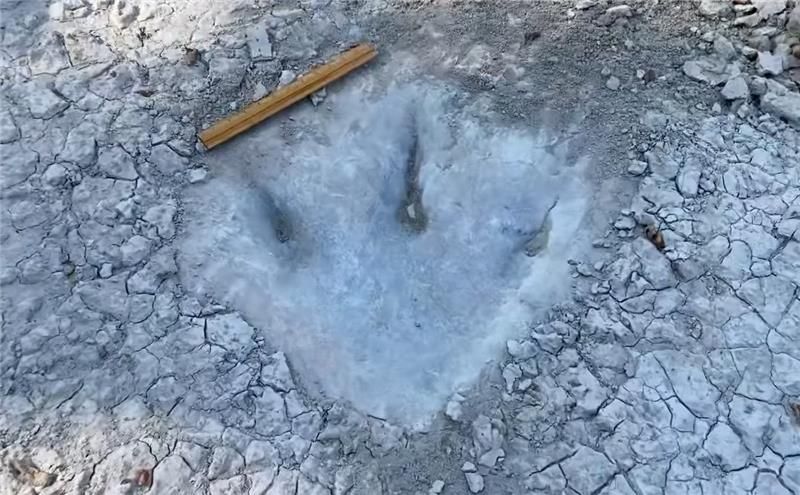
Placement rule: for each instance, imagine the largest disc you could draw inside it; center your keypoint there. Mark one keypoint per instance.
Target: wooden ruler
(283, 97)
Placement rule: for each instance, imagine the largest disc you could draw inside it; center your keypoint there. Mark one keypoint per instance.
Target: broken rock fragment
(710, 70)
(736, 89)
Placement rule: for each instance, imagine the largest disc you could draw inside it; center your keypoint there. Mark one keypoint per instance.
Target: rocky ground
(673, 368)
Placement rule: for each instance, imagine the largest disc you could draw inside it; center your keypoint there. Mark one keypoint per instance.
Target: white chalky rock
(587, 470)
(80, 146)
(166, 160)
(613, 83)
(42, 102)
(49, 56)
(276, 374)
(793, 23)
(688, 180)
(259, 91)
(453, 409)
(713, 71)
(474, 482)
(123, 13)
(511, 373)
(770, 296)
(116, 163)
(225, 462)
(171, 476)
(55, 175)
(261, 455)
(736, 89)
(9, 132)
(787, 262)
(767, 8)
(492, 457)
(230, 486)
(197, 175)
(135, 250)
(727, 448)
(162, 217)
(785, 374)
(485, 435)
(769, 64)
(782, 103)
(56, 11)
(585, 388)
(258, 43)
(724, 48)
(735, 267)
(612, 14)
(662, 164)
(286, 77)
(686, 376)
(106, 270)
(715, 8)
(436, 487)
(654, 266)
(160, 267)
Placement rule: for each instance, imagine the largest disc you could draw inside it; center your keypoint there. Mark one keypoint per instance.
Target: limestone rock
(726, 446)
(587, 470)
(767, 8)
(258, 42)
(715, 8)
(735, 89)
(116, 163)
(135, 249)
(474, 482)
(42, 102)
(793, 23)
(710, 70)
(9, 132)
(769, 64)
(782, 103)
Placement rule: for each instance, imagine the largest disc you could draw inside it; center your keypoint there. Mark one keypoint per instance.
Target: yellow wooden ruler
(283, 97)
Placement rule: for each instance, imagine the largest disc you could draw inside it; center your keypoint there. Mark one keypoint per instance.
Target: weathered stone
(726, 447)
(793, 22)
(18, 164)
(116, 163)
(713, 71)
(166, 160)
(770, 296)
(474, 482)
(686, 377)
(225, 463)
(275, 373)
(715, 8)
(782, 103)
(588, 470)
(123, 13)
(767, 8)
(42, 102)
(736, 89)
(161, 216)
(585, 388)
(258, 42)
(49, 56)
(769, 64)
(9, 132)
(654, 266)
(80, 147)
(171, 476)
(135, 249)
(688, 180)
(787, 262)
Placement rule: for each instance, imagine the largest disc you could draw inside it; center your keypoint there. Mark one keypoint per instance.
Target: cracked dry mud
(158, 332)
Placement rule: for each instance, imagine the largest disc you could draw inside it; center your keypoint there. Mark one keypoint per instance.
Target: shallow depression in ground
(390, 243)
